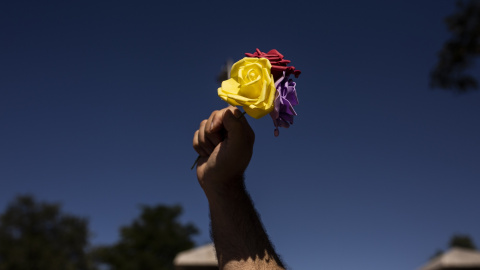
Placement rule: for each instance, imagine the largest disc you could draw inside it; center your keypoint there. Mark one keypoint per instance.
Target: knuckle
(201, 138)
(196, 147)
(213, 113)
(208, 132)
(195, 137)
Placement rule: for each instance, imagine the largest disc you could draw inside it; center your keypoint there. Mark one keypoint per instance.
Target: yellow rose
(251, 86)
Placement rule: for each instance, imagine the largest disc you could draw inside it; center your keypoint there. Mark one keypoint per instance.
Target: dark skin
(224, 142)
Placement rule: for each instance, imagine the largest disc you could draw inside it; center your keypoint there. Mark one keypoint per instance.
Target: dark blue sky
(99, 102)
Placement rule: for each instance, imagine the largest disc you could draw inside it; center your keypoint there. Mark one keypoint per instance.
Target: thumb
(232, 122)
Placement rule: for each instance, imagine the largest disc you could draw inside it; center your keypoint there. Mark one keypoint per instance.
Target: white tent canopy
(454, 258)
(203, 256)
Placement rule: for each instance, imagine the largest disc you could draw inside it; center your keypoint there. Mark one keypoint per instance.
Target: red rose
(279, 65)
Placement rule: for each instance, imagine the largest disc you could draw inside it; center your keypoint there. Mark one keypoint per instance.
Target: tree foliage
(457, 240)
(462, 241)
(36, 235)
(459, 51)
(151, 241)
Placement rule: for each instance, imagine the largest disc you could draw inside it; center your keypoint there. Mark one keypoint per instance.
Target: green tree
(457, 240)
(459, 51)
(151, 241)
(462, 241)
(36, 235)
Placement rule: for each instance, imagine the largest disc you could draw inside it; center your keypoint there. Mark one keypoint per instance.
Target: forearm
(240, 239)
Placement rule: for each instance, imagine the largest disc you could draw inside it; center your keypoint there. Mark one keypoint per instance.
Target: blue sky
(99, 101)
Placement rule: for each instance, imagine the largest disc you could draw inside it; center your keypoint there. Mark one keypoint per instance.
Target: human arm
(225, 145)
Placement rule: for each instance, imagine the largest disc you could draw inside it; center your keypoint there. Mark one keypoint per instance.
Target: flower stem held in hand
(196, 160)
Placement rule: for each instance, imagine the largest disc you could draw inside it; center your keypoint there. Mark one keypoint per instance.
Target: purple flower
(286, 98)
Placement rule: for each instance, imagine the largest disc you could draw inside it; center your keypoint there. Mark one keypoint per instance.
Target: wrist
(217, 191)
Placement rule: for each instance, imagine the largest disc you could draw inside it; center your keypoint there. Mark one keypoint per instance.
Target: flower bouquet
(260, 83)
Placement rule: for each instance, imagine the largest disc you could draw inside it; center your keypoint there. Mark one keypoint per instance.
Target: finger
(206, 145)
(213, 128)
(232, 119)
(236, 112)
(197, 146)
(237, 126)
(217, 121)
(249, 134)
